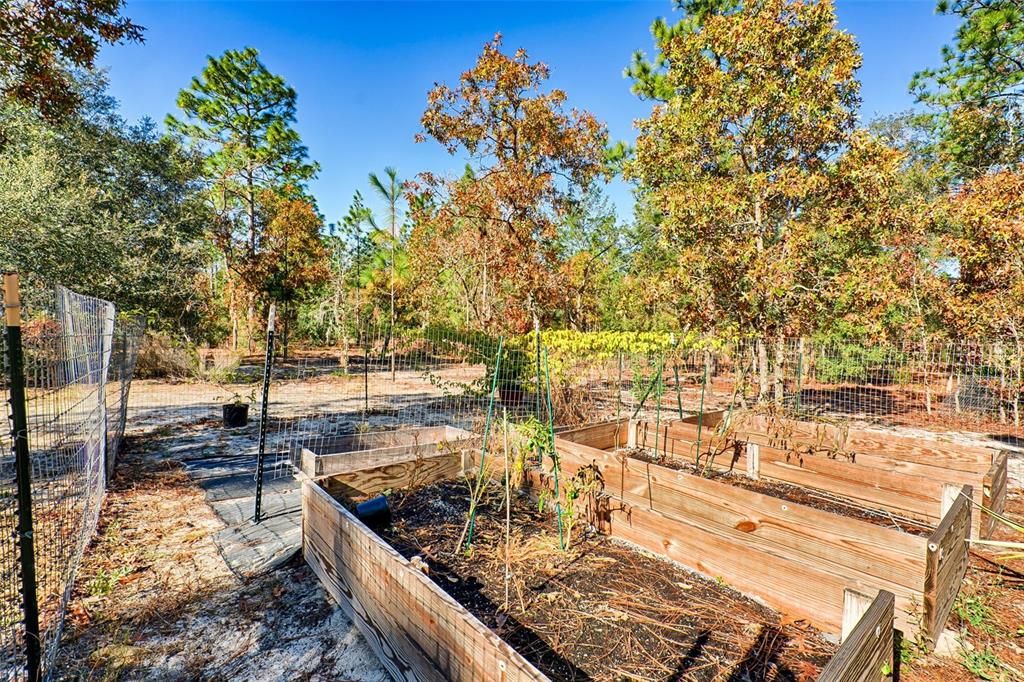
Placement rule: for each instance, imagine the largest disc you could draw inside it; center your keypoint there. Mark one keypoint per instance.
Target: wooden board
(910, 487)
(796, 558)
(947, 563)
(867, 653)
(420, 633)
(417, 631)
(368, 440)
(914, 496)
(404, 473)
(378, 448)
(932, 451)
(993, 496)
(325, 465)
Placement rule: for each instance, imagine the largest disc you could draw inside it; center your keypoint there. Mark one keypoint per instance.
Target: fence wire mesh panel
(127, 337)
(78, 360)
(376, 381)
(966, 386)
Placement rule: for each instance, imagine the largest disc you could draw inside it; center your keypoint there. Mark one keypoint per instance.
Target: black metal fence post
(261, 456)
(23, 474)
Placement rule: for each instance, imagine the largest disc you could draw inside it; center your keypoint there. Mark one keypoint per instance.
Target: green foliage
(977, 116)
(650, 79)
(984, 664)
(535, 437)
(844, 362)
(974, 609)
(763, 98)
(39, 41)
(104, 582)
(107, 208)
(240, 115)
(599, 345)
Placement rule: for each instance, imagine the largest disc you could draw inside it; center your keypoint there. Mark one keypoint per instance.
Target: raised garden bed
(599, 610)
(798, 559)
(331, 454)
(912, 477)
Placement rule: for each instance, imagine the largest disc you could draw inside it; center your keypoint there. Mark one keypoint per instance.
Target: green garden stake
(555, 465)
(658, 391)
(650, 387)
(799, 379)
(487, 430)
(679, 389)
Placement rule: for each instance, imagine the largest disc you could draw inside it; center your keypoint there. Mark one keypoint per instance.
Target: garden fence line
(68, 363)
(379, 380)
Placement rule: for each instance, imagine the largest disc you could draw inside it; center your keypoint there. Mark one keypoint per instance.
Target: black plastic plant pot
(235, 415)
(375, 512)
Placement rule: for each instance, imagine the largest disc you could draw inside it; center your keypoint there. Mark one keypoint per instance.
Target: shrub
(160, 356)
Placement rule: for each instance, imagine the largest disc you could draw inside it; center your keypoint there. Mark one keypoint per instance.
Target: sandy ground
(155, 601)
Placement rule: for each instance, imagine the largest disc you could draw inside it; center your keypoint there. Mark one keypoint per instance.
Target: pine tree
(242, 115)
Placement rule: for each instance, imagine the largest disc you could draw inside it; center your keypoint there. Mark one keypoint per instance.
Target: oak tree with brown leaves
(492, 231)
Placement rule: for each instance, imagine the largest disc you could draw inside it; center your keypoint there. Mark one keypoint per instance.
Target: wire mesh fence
(965, 386)
(77, 359)
(377, 380)
(429, 377)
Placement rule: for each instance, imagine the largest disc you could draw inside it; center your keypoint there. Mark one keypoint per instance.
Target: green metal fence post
(261, 453)
(23, 475)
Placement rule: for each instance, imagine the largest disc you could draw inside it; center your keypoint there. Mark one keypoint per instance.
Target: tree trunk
(762, 370)
(779, 369)
(284, 337)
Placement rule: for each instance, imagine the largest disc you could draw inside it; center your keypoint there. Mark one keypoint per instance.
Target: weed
(983, 664)
(975, 609)
(912, 650)
(104, 582)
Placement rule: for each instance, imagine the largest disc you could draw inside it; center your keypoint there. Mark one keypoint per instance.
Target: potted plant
(236, 412)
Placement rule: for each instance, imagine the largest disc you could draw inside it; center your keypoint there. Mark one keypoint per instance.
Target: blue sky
(362, 69)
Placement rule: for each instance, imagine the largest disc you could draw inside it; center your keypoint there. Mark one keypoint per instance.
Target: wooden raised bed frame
(326, 455)
(797, 559)
(420, 633)
(913, 477)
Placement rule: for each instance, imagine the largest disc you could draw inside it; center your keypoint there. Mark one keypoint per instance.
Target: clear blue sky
(362, 69)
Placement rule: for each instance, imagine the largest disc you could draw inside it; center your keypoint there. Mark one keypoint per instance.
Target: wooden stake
(949, 494)
(753, 461)
(854, 606)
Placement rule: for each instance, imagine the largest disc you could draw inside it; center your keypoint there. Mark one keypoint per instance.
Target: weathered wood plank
(368, 440)
(326, 465)
(993, 496)
(932, 451)
(914, 496)
(867, 653)
(414, 627)
(758, 543)
(947, 560)
(404, 473)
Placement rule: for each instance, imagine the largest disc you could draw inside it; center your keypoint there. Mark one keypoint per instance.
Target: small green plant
(104, 582)
(534, 438)
(975, 609)
(239, 397)
(984, 664)
(911, 650)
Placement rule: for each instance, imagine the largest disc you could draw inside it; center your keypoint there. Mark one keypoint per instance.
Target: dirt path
(155, 601)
